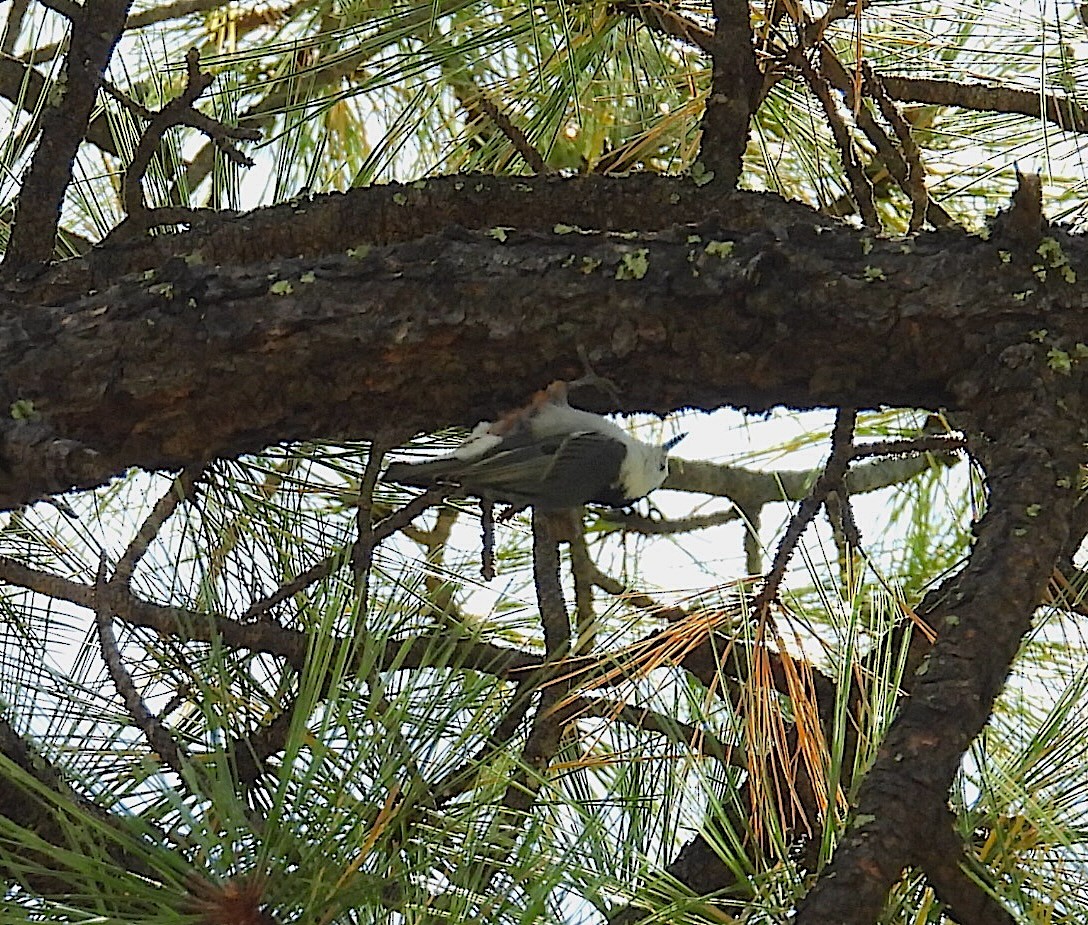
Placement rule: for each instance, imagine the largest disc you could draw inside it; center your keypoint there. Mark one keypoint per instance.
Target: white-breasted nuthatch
(547, 455)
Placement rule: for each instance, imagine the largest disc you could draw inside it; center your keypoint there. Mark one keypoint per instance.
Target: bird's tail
(422, 474)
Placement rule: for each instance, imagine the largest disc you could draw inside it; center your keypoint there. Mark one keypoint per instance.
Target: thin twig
(323, 569)
(832, 477)
(911, 446)
(178, 111)
(300, 582)
(692, 737)
(914, 183)
(859, 183)
(180, 489)
(154, 731)
(615, 587)
(548, 720)
(886, 150)
(362, 555)
(844, 532)
(665, 19)
(585, 573)
(460, 779)
(400, 518)
(251, 751)
(649, 526)
(137, 109)
(849, 522)
(514, 134)
(487, 539)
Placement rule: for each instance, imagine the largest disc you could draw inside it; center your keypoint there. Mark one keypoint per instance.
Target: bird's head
(646, 466)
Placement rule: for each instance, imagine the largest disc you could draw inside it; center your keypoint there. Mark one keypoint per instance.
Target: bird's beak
(672, 441)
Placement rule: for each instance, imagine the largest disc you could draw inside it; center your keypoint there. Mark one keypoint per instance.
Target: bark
(96, 28)
(1031, 451)
(734, 92)
(764, 304)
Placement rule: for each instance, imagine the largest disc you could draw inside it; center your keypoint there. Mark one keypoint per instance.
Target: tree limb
(1063, 111)
(95, 30)
(799, 319)
(734, 92)
(1031, 452)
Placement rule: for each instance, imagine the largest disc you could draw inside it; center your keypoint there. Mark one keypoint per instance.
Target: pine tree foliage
(269, 687)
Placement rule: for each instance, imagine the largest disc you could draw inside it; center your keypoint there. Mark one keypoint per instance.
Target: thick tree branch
(1031, 452)
(386, 214)
(95, 30)
(393, 341)
(734, 92)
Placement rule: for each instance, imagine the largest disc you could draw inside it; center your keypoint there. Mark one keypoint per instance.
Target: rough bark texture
(734, 92)
(1034, 428)
(195, 359)
(96, 28)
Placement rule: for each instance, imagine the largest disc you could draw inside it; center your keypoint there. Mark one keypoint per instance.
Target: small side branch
(1062, 111)
(649, 526)
(362, 556)
(180, 489)
(551, 715)
(859, 184)
(398, 520)
(178, 111)
(833, 475)
(514, 135)
(667, 21)
(154, 731)
(914, 183)
(939, 444)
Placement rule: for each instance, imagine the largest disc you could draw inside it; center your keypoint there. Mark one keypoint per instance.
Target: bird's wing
(585, 468)
(558, 472)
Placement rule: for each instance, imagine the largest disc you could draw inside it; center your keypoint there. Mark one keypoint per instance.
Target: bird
(546, 455)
